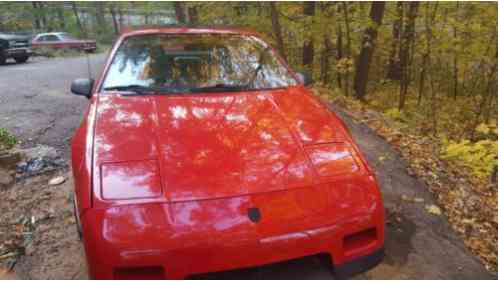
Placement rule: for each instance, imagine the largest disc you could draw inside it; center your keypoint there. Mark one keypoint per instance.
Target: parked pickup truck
(13, 46)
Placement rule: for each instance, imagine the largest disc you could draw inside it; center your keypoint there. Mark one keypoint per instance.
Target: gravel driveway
(35, 104)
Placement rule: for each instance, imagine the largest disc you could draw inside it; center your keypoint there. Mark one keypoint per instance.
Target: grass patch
(54, 53)
(7, 140)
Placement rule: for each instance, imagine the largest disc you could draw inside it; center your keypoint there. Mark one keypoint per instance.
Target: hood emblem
(254, 214)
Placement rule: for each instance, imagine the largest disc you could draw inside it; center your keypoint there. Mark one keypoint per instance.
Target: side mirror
(305, 78)
(82, 87)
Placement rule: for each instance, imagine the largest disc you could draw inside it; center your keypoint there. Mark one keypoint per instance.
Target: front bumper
(18, 52)
(344, 219)
(124, 250)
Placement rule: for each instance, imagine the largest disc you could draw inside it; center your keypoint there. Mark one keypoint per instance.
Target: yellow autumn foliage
(480, 157)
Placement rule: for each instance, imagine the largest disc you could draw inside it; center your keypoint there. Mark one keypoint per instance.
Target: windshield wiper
(136, 89)
(219, 88)
(143, 90)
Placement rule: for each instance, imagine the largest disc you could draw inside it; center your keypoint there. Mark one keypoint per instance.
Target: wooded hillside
(433, 63)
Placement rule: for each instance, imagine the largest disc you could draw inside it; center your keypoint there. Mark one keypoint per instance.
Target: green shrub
(394, 114)
(53, 53)
(7, 140)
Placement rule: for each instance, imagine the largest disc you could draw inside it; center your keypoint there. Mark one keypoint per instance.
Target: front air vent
(359, 241)
(143, 273)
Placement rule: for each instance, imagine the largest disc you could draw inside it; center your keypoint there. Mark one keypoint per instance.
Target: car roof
(50, 33)
(130, 31)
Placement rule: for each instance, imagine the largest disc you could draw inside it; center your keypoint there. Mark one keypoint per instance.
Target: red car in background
(62, 40)
(202, 151)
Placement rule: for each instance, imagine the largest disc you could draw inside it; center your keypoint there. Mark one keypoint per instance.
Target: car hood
(209, 145)
(13, 37)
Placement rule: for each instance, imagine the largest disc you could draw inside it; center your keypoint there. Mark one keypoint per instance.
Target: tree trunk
(308, 48)
(490, 89)
(120, 18)
(60, 16)
(434, 103)
(393, 71)
(193, 15)
(43, 17)
(367, 49)
(277, 29)
(100, 17)
(36, 11)
(411, 56)
(421, 84)
(115, 21)
(146, 9)
(455, 59)
(427, 52)
(408, 35)
(455, 76)
(77, 17)
(324, 63)
(348, 44)
(339, 54)
(181, 17)
(492, 85)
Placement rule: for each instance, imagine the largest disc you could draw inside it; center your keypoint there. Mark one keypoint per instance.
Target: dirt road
(36, 105)
(35, 102)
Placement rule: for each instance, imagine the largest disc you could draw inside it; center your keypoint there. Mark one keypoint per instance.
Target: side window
(51, 38)
(40, 39)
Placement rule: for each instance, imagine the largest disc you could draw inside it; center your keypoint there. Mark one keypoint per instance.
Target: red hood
(214, 145)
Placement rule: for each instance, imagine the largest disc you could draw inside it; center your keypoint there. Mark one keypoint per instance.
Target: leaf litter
(469, 203)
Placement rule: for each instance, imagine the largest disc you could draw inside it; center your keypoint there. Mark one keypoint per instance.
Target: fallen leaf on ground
(433, 209)
(412, 199)
(470, 203)
(495, 219)
(405, 198)
(57, 180)
(6, 274)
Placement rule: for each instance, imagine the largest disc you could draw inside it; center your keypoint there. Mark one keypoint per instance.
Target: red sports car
(202, 151)
(62, 40)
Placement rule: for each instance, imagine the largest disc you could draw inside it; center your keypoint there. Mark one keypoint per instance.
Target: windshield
(184, 62)
(66, 36)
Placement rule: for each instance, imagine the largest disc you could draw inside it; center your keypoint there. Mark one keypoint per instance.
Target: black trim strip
(359, 265)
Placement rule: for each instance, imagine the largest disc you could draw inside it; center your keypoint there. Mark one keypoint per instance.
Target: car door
(51, 41)
(38, 41)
